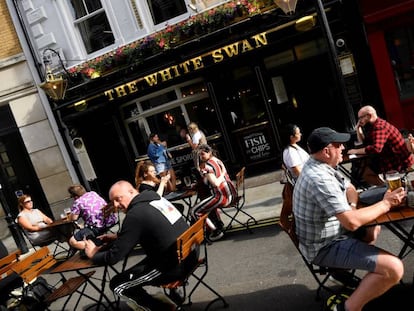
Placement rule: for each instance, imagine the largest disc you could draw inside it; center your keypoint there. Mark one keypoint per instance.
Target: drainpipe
(351, 122)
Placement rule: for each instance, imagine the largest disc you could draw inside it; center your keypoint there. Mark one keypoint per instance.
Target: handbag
(35, 294)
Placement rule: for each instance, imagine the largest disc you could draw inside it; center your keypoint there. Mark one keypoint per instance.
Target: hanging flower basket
(172, 35)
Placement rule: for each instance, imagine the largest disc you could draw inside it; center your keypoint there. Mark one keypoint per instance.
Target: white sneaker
(216, 235)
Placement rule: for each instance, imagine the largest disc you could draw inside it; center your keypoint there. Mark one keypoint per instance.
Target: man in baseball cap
(323, 136)
(327, 220)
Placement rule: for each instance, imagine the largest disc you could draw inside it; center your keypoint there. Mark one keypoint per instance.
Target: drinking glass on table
(393, 179)
(68, 213)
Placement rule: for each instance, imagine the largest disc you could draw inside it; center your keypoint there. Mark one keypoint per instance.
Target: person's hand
(396, 197)
(108, 237)
(165, 178)
(187, 137)
(41, 224)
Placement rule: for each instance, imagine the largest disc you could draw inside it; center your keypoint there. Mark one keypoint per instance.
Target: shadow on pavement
(295, 297)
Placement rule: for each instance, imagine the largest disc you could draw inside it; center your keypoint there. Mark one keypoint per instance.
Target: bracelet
(352, 204)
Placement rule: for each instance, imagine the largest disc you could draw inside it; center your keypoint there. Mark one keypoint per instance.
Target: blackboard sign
(256, 143)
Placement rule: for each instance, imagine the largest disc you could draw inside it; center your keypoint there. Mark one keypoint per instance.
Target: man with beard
(383, 143)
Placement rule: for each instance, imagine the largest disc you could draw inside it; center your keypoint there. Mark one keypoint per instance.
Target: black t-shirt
(153, 223)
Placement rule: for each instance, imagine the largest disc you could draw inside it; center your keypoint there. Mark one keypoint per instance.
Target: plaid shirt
(385, 140)
(319, 195)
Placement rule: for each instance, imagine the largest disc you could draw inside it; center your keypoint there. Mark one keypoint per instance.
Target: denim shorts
(348, 253)
(162, 167)
(88, 232)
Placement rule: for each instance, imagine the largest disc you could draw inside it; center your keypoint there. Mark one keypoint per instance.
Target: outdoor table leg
(111, 305)
(405, 236)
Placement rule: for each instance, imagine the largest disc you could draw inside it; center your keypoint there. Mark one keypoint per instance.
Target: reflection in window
(92, 23)
(203, 113)
(400, 43)
(167, 113)
(167, 125)
(163, 10)
(193, 89)
(243, 104)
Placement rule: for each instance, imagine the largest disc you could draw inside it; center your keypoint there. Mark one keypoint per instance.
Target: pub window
(163, 10)
(400, 44)
(92, 23)
(167, 113)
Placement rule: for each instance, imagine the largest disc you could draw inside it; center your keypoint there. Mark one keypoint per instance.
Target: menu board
(256, 143)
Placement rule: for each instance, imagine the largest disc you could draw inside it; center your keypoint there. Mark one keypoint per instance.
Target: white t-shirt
(294, 156)
(199, 138)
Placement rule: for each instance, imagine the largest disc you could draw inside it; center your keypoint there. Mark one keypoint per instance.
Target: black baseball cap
(323, 136)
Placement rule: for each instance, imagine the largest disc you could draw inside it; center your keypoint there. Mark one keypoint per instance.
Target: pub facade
(242, 70)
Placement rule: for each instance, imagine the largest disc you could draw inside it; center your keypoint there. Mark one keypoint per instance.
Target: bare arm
(161, 186)
(355, 218)
(190, 142)
(360, 133)
(296, 169)
(213, 180)
(357, 151)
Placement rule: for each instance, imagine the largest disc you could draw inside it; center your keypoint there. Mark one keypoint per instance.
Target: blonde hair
(20, 201)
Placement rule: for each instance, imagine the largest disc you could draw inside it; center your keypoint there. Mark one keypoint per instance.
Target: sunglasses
(29, 201)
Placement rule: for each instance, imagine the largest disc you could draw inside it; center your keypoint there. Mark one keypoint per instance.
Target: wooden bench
(7, 262)
(39, 263)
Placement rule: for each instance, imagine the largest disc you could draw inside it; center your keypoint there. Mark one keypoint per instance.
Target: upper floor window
(163, 10)
(92, 23)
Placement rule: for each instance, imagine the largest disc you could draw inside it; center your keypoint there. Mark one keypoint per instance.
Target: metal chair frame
(238, 204)
(58, 249)
(192, 238)
(320, 274)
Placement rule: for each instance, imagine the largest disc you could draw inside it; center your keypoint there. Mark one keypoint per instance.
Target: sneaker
(337, 302)
(339, 307)
(216, 235)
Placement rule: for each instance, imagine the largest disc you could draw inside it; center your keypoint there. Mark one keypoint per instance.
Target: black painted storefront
(312, 96)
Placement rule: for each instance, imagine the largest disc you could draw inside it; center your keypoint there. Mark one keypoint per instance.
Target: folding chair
(188, 241)
(109, 210)
(320, 274)
(59, 247)
(38, 263)
(8, 279)
(238, 204)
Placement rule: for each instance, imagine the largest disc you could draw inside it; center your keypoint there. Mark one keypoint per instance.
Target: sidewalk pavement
(263, 201)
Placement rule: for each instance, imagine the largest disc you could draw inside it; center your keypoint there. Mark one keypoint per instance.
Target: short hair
(151, 136)
(76, 190)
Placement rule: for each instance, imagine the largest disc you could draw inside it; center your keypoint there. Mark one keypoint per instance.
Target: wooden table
(392, 220)
(78, 264)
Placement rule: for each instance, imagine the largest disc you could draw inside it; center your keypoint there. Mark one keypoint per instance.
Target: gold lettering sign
(188, 66)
